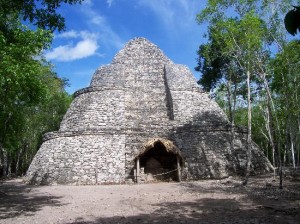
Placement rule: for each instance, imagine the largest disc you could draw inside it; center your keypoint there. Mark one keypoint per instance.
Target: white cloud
(99, 23)
(161, 8)
(86, 47)
(109, 2)
(97, 20)
(87, 2)
(173, 14)
(68, 34)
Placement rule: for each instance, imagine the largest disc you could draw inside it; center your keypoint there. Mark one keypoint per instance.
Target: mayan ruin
(142, 119)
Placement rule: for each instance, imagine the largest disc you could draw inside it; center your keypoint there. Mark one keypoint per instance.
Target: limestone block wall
(138, 69)
(179, 77)
(84, 159)
(95, 111)
(259, 162)
(208, 153)
(111, 76)
(141, 52)
(205, 153)
(149, 107)
(196, 107)
(189, 103)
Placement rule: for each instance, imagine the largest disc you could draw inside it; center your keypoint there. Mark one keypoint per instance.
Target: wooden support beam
(178, 168)
(135, 176)
(138, 170)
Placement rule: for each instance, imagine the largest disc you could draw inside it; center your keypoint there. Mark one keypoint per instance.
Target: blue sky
(98, 29)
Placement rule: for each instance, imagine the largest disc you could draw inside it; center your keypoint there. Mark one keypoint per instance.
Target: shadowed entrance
(160, 160)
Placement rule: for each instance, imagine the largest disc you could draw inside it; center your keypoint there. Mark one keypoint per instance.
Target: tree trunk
(229, 100)
(1, 158)
(18, 160)
(9, 169)
(4, 162)
(231, 109)
(284, 156)
(293, 154)
(280, 168)
(270, 130)
(249, 135)
(298, 157)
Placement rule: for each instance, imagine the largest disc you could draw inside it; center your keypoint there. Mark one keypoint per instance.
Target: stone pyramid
(143, 118)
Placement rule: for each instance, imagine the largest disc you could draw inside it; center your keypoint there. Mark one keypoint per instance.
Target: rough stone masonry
(143, 118)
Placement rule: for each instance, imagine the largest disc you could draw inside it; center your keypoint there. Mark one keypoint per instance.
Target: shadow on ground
(19, 199)
(271, 204)
(266, 194)
(207, 210)
(257, 205)
(224, 201)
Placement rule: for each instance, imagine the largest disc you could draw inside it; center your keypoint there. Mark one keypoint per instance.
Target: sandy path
(187, 202)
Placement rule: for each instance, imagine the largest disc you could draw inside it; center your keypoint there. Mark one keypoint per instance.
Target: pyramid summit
(142, 119)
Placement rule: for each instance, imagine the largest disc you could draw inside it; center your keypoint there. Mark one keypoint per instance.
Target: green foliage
(272, 12)
(231, 53)
(241, 35)
(41, 118)
(41, 13)
(210, 64)
(243, 38)
(286, 68)
(21, 73)
(286, 86)
(32, 97)
(233, 45)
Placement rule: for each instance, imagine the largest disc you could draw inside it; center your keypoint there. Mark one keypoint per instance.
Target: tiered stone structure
(141, 115)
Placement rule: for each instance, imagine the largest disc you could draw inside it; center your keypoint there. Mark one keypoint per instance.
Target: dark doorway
(159, 164)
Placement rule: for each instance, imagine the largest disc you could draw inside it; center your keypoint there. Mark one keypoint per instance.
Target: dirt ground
(209, 201)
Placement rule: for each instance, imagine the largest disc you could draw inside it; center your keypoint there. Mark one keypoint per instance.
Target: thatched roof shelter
(169, 146)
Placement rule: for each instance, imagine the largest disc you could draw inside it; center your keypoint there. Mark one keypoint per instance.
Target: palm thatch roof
(169, 146)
